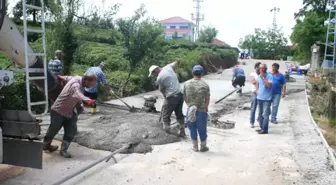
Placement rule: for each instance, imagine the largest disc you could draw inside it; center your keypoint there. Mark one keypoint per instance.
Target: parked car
(305, 68)
(294, 67)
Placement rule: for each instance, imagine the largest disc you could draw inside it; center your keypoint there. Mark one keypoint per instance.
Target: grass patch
(328, 129)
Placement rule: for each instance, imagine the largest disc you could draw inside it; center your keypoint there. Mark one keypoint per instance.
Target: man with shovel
(169, 86)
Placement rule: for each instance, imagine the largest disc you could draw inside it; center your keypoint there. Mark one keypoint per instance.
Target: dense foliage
(207, 34)
(129, 46)
(310, 28)
(266, 44)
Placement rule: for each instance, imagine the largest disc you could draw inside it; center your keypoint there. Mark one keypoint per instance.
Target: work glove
(90, 102)
(61, 78)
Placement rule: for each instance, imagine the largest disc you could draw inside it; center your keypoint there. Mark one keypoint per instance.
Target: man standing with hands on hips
(264, 97)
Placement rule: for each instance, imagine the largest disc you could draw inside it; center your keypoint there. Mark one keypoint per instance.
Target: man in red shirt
(64, 113)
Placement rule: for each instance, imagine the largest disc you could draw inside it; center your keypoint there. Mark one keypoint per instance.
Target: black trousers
(239, 80)
(58, 121)
(170, 105)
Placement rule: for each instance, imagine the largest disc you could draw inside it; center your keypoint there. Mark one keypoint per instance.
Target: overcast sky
(233, 19)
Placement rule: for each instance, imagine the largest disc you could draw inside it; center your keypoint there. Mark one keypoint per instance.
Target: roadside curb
(317, 129)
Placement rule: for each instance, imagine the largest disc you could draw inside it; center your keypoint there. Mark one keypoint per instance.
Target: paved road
(291, 153)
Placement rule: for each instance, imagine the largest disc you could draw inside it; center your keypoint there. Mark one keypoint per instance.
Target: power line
(197, 17)
(275, 10)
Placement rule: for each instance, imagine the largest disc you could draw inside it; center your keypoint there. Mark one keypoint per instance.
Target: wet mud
(114, 128)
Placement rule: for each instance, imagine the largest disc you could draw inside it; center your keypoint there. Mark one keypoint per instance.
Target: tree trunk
(34, 16)
(127, 80)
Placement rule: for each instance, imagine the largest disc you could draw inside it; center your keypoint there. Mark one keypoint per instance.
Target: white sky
(233, 19)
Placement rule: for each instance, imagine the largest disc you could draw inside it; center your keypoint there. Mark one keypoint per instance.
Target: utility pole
(275, 10)
(197, 17)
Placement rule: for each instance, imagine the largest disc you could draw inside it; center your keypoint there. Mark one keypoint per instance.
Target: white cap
(151, 69)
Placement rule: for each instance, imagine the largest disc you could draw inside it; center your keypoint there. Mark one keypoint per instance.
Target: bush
(92, 53)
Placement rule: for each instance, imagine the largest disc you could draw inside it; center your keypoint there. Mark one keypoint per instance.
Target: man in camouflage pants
(197, 96)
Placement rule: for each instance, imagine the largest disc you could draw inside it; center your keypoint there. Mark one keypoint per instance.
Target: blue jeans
(199, 126)
(264, 113)
(254, 103)
(275, 106)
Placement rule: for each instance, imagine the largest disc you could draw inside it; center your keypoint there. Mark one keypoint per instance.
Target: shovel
(131, 109)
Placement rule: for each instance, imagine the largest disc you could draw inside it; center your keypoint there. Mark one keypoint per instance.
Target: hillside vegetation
(127, 45)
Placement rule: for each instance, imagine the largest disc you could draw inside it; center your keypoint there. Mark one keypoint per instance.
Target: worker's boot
(182, 128)
(195, 145)
(166, 128)
(64, 149)
(204, 147)
(47, 146)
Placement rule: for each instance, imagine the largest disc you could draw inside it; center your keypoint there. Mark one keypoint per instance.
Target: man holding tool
(197, 97)
(238, 78)
(64, 113)
(170, 88)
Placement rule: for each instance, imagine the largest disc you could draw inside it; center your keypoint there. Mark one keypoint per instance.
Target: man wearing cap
(197, 97)
(55, 65)
(64, 113)
(169, 86)
(98, 71)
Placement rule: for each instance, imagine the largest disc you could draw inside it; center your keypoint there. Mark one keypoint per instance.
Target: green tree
(207, 34)
(63, 34)
(265, 44)
(138, 37)
(49, 6)
(319, 6)
(306, 32)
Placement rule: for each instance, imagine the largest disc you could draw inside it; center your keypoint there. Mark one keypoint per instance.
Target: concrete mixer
(20, 129)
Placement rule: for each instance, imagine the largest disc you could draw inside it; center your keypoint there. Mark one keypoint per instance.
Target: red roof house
(178, 28)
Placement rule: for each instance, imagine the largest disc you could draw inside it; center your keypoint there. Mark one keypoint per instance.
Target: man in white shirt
(254, 101)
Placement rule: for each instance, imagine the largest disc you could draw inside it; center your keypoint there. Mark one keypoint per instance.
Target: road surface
(292, 152)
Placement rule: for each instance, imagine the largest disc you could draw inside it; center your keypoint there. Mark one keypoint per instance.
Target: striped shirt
(100, 78)
(55, 66)
(71, 94)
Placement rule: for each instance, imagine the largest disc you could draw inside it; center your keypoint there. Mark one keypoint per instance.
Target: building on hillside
(178, 28)
(217, 41)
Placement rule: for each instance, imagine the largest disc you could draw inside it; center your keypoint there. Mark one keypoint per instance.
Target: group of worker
(77, 92)
(267, 90)
(195, 93)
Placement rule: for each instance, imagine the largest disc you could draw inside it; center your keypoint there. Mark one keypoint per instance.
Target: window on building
(172, 26)
(184, 27)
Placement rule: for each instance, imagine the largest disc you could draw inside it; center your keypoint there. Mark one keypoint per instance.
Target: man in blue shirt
(264, 97)
(92, 92)
(238, 77)
(55, 65)
(278, 91)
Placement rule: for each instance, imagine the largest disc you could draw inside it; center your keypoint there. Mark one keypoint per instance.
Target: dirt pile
(115, 128)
